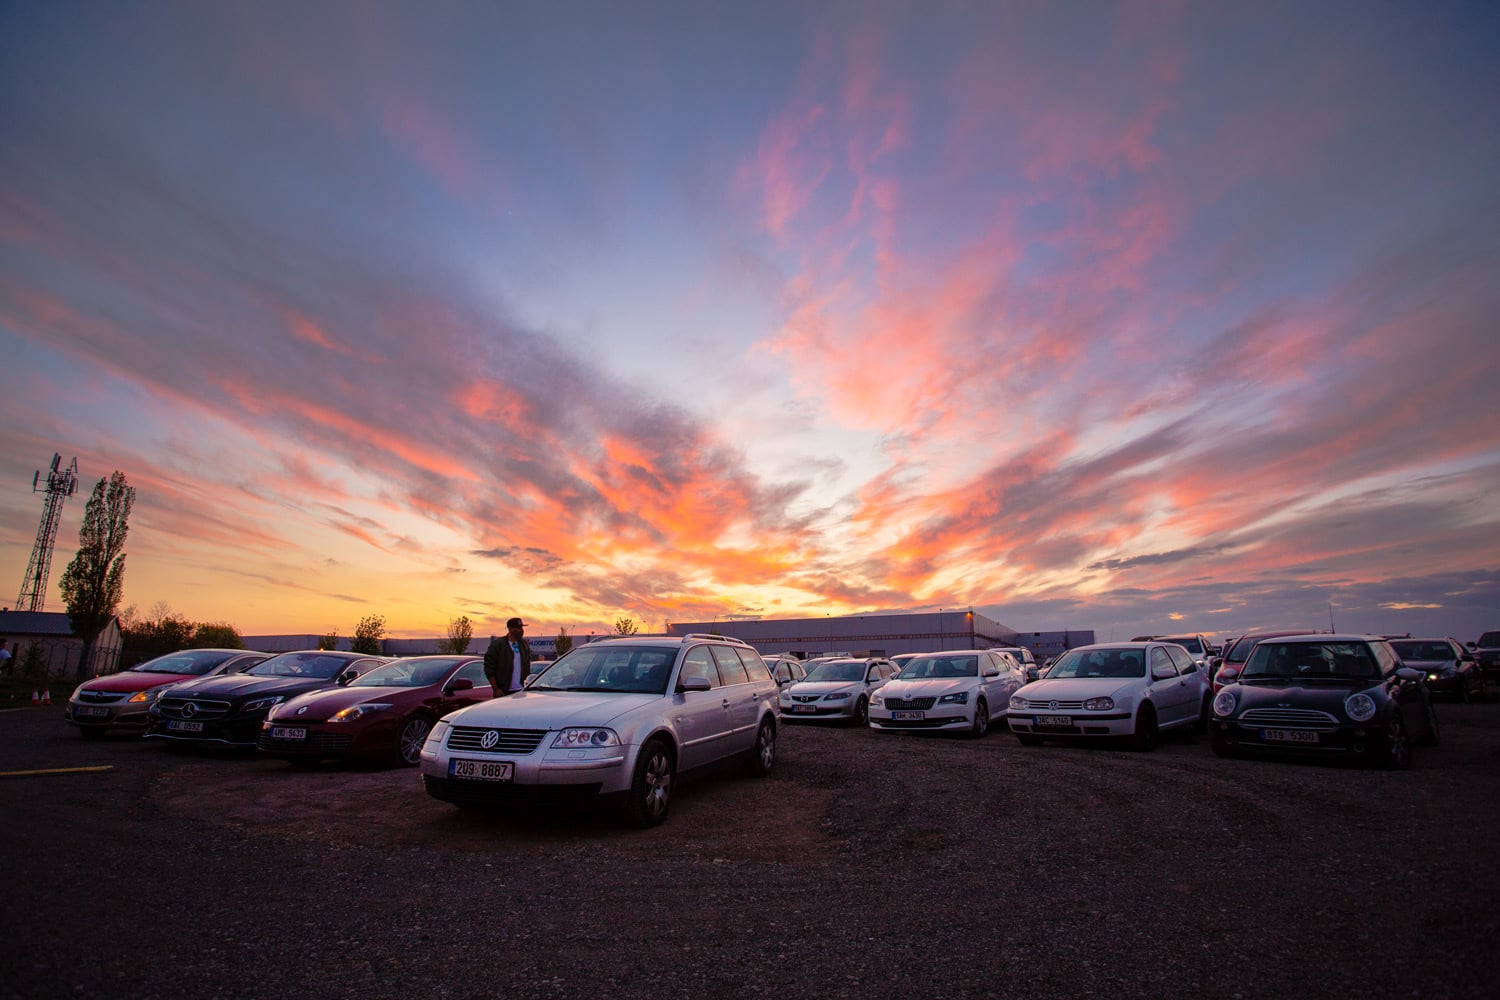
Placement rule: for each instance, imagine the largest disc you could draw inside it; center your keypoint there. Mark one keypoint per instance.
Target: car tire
(861, 713)
(1145, 735)
(409, 740)
(981, 724)
(650, 794)
(763, 754)
(1396, 754)
(1480, 693)
(1205, 714)
(1432, 736)
(1463, 691)
(1029, 739)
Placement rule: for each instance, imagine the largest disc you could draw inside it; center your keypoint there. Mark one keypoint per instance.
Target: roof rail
(720, 638)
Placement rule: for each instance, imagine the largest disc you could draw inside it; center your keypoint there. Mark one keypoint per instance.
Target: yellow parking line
(57, 770)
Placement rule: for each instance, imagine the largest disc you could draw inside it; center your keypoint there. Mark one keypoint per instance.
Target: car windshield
(838, 670)
(1416, 650)
(1489, 639)
(599, 667)
(1301, 660)
(191, 662)
(1085, 663)
(923, 667)
(1191, 643)
(323, 666)
(409, 673)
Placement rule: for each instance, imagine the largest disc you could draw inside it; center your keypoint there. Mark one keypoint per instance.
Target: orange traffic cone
(36, 699)
(46, 697)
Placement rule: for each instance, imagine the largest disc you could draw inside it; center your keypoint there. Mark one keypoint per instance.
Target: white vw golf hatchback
(617, 718)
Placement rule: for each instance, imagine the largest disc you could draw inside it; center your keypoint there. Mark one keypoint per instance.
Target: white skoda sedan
(961, 689)
(1134, 689)
(619, 719)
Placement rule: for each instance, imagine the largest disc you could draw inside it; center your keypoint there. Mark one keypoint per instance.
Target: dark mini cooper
(1344, 696)
(229, 710)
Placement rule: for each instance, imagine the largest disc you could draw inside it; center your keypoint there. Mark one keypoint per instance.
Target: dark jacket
(497, 664)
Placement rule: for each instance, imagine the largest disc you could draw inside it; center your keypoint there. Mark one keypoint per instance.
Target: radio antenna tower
(60, 485)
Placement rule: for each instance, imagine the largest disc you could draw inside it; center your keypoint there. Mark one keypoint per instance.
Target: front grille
(902, 704)
(329, 743)
(510, 740)
(100, 697)
(1054, 706)
(805, 698)
(1288, 717)
(205, 709)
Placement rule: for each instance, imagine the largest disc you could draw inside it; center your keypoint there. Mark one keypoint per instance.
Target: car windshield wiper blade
(1266, 677)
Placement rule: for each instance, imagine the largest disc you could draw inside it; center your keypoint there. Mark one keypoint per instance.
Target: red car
(122, 700)
(385, 713)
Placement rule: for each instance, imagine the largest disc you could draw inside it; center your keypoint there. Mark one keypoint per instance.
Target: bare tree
(626, 626)
(564, 640)
(368, 634)
(460, 634)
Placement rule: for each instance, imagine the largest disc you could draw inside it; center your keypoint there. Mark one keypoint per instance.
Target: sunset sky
(1132, 317)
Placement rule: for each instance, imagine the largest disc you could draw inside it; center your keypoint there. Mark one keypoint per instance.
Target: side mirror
(1409, 674)
(992, 673)
(1162, 673)
(1032, 673)
(460, 684)
(345, 677)
(1227, 675)
(694, 684)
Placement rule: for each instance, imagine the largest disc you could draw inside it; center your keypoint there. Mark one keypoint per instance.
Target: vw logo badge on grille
(1052, 705)
(302, 710)
(489, 739)
(190, 709)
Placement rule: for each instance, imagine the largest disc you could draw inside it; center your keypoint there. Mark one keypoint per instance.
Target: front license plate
(185, 727)
(481, 770)
(1054, 720)
(806, 709)
(90, 712)
(1288, 736)
(286, 733)
(908, 716)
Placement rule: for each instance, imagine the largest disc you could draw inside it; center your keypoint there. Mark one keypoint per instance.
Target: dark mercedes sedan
(1451, 669)
(229, 710)
(1338, 696)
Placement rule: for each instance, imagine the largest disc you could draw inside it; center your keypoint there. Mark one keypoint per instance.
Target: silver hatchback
(619, 719)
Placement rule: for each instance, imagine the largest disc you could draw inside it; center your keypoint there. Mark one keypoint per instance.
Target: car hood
(244, 685)
(1320, 695)
(551, 709)
(927, 687)
(136, 680)
(1078, 688)
(319, 706)
(821, 687)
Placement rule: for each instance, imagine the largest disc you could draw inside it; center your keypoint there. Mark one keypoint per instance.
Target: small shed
(50, 635)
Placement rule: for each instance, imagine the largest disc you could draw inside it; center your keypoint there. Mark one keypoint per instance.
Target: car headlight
(148, 696)
(1359, 707)
(837, 696)
(1018, 705)
(591, 737)
(956, 698)
(1099, 704)
(263, 704)
(354, 712)
(438, 734)
(1224, 703)
(877, 699)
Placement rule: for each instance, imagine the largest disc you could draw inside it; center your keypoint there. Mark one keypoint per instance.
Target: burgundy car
(385, 713)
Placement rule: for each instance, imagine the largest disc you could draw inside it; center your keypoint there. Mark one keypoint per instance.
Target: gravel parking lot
(868, 865)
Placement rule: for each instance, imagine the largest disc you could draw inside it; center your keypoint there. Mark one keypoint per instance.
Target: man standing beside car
(507, 661)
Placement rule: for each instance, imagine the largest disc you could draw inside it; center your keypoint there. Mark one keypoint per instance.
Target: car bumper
(1354, 741)
(931, 720)
(1078, 723)
(543, 774)
(235, 732)
(116, 716)
(818, 711)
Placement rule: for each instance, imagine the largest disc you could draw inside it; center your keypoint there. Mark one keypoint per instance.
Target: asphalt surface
(867, 865)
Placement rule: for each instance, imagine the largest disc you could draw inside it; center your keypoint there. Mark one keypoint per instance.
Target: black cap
(515, 623)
